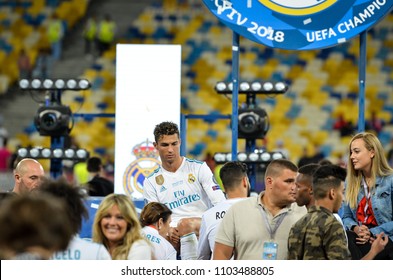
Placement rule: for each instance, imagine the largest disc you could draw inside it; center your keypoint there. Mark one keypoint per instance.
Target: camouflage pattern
(318, 236)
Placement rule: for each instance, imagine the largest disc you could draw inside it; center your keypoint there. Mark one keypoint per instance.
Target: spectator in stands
(90, 36)
(280, 148)
(305, 158)
(24, 65)
(105, 34)
(319, 235)
(237, 187)
(98, 184)
(308, 158)
(345, 127)
(187, 186)
(5, 157)
(258, 227)
(33, 227)
(155, 219)
(43, 64)
(375, 124)
(116, 225)
(73, 197)
(55, 34)
(28, 175)
(369, 189)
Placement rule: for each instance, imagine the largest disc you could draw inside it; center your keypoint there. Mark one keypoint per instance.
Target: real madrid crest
(191, 178)
(145, 163)
(160, 179)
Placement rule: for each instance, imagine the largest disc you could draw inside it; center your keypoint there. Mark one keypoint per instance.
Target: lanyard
(271, 231)
(367, 195)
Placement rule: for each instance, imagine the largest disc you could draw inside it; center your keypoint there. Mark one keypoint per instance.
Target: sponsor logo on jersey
(183, 201)
(163, 189)
(136, 172)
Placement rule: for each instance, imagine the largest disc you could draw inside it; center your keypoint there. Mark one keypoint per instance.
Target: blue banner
(299, 24)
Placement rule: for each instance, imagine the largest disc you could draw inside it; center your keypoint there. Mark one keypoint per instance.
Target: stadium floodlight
(57, 153)
(54, 84)
(257, 156)
(255, 87)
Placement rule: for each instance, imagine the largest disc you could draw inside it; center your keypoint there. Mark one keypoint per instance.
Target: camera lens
(49, 120)
(248, 123)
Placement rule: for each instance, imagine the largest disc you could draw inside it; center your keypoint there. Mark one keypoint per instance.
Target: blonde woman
(116, 225)
(369, 201)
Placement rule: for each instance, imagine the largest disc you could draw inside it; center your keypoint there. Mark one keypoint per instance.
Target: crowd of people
(318, 211)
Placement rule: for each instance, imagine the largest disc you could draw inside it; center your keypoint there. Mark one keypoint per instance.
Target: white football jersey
(163, 250)
(188, 192)
(209, 226)
(81, 249)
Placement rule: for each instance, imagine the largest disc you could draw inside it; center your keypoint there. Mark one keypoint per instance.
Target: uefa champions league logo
(136, 172)
(299, 24)
(297, 7)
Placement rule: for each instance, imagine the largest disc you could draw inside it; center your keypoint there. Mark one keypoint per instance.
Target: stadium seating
(323, 83)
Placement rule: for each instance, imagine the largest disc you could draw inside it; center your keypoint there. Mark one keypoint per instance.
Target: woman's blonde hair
(379, 167)
(128, 211)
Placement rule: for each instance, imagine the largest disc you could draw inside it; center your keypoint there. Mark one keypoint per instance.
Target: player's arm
(149, 192)
(210, 185)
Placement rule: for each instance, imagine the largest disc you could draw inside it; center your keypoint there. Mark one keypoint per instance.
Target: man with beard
(28, 175)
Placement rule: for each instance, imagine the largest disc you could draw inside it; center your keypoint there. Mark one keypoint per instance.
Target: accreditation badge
(269, 250)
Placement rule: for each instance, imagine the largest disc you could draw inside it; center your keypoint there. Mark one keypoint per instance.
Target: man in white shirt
(234, 177)
(186, 186)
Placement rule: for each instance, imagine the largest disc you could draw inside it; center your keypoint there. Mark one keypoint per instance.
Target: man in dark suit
(98, 184)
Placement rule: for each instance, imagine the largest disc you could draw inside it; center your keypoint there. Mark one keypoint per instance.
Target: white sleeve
(172, 255)
(103, 253)
(204, 250)
(149, 192)
(210, 185)
(140, 250)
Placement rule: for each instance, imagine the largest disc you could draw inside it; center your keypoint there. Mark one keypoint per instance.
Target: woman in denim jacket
(369, 203)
